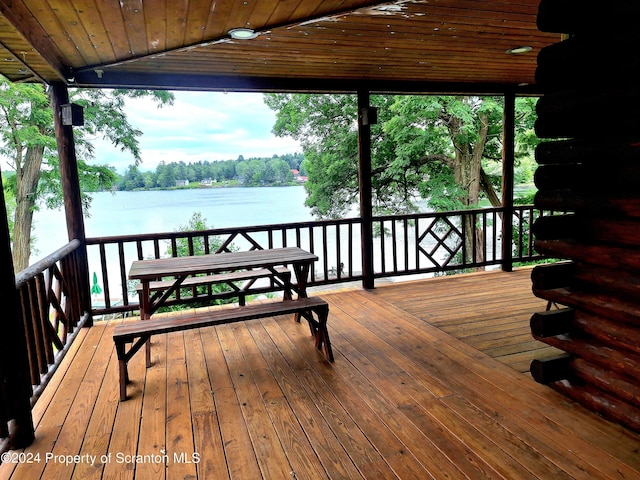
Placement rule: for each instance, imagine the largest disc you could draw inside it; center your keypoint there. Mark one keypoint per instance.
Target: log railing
(424, 243)
(49, 294)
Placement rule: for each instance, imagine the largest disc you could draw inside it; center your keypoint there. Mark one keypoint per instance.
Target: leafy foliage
(196, 223)
(429, 148)
(197, 246)
(29, 144)
(251, 172)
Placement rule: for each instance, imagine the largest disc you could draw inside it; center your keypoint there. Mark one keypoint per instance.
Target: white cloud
(200, 126)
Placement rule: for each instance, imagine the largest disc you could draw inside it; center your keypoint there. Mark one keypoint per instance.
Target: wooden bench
(139, 333)
(161, 287)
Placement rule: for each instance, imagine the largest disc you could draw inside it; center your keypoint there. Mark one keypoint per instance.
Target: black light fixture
(72, 115)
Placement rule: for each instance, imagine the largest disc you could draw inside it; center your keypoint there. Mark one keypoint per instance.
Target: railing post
(71, 190)
(15, 383)
(508, 160)
(366, 117)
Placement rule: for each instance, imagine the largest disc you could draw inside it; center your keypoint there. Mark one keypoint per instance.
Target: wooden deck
(404, 399)
(493, 319)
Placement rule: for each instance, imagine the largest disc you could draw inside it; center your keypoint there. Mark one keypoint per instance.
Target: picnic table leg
(286, 280)
(301, 271)
(145, 314)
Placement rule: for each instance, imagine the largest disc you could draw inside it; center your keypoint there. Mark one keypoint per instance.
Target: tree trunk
(468, 175)
(27, 186)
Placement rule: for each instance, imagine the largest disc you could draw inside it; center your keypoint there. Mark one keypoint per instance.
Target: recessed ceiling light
(242, 34)
(517, 50)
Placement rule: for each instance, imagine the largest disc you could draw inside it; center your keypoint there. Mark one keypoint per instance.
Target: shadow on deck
(413, 393)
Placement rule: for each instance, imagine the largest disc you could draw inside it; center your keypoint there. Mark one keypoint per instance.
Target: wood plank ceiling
(406, 45)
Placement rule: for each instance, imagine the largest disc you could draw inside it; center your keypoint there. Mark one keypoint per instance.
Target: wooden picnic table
(181, 268)
(156, 289)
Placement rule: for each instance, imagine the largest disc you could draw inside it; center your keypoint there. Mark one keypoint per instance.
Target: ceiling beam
(222, 83)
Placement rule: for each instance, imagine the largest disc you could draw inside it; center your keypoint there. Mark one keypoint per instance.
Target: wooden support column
(508, 161)
(71, 189)
(364, 179)
(15, 382)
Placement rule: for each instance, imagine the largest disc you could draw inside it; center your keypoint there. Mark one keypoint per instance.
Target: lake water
(128, 213)
(125, 213)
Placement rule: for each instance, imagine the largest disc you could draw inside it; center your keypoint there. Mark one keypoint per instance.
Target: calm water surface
(127, 213)
(124, 213)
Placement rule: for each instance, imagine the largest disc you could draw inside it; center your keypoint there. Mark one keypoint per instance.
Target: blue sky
(199, 126)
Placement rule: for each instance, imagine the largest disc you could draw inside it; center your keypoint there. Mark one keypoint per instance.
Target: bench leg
(322, 334)
(286, 280)
(123, 372)
(147, 353)
(123, 379)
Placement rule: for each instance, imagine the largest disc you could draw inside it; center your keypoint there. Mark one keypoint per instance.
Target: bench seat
(249, 276)
(138, 333)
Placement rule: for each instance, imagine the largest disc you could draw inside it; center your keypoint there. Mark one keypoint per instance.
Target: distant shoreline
(203, 187)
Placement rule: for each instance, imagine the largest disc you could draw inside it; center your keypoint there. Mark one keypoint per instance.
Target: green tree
(166, 175)
(198, 246)
(132, 179)
(27, 133)
(423, 147)
(281, 171)
(150, 179)
(196, 223)
(10, 203)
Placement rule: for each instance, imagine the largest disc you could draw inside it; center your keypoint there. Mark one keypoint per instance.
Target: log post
(508, 161)
(550, 370)
(551, 323)
(71, 189)
(15, 382)
(364, 179)
(553, 275)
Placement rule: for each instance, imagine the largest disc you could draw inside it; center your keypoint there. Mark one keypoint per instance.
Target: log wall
(589, 164)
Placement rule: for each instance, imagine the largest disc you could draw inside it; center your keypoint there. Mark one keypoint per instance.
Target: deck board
(493, 320)
(404, 399)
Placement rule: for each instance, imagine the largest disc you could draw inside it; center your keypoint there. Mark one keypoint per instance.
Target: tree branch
(487, 187)
(437, 157)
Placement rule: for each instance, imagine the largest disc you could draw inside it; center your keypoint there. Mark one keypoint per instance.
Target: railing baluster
(338, 255)
(31, 351)
(38, 340)
(43, 315)
(405, 236)
(394, 245)
(123, 273)
(494, 234)
(383, 257)
(325, 260)
(350, 232)
(416, 239)
(105, 276)
(485, 250)
(530, 236)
